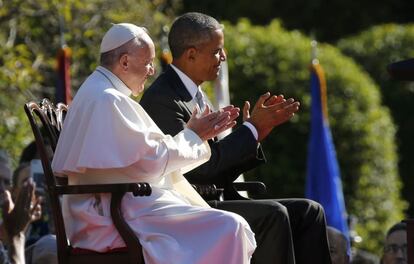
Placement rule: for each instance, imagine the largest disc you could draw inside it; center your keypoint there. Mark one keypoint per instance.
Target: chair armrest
(208, 191)
(138, 189)
(252, 187)
(211, 192)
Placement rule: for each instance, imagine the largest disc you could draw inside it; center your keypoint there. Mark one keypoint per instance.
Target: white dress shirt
(192, 88)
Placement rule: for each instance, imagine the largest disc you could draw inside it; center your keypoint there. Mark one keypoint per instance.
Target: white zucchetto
(120, 34)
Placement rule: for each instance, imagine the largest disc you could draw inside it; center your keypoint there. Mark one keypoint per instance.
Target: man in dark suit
(288, 230)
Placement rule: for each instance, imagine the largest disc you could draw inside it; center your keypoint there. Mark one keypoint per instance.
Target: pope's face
(140, 67)
(208, 58)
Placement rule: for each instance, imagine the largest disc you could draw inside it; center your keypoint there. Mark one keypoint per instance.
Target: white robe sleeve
(113, 131)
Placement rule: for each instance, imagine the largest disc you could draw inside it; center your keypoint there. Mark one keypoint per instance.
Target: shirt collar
(116, 82)
(191, 87)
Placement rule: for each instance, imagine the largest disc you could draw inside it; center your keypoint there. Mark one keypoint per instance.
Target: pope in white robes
(108, 138)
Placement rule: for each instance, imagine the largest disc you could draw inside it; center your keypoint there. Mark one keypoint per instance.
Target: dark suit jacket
(169, 104)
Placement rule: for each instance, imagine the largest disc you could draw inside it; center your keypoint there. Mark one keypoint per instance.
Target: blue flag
(323, 183)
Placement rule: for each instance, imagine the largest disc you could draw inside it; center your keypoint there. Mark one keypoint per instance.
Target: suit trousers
(288, 231)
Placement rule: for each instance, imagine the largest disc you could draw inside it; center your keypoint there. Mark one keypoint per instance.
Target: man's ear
(123, 62)
(190, 54)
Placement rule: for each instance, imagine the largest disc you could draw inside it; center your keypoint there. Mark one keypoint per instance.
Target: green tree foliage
(271, 58)
(374, 49)
(31, 37)
(18, 71)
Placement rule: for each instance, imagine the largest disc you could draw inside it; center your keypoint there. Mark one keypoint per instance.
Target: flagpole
(314, 52)
(61, 28)
(318, 70)
(63, 86)
(166, 56)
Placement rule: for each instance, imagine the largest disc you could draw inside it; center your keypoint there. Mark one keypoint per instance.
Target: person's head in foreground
(337, 246)
(128, 52)
(395, 245)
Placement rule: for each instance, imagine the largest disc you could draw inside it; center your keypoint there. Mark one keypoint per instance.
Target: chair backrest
(51, 119)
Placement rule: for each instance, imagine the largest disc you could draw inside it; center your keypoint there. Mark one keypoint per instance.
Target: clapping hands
(269, 112)
(17, 215)
(209, 124)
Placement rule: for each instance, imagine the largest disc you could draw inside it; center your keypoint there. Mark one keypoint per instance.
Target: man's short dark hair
(397, 227)
(190, 30)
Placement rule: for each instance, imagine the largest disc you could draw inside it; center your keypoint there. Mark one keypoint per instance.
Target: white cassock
(108, 138)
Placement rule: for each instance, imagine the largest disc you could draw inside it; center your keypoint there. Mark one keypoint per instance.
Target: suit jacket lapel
(178, 86)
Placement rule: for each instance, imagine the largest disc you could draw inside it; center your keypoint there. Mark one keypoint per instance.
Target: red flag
(63, 91)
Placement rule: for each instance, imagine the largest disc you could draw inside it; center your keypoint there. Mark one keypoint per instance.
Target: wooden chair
(50, 117)
(57, 114)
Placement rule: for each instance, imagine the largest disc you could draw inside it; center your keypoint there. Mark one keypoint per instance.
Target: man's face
(208, 58)
(22, 177)
(395, 249)
(140, 67)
